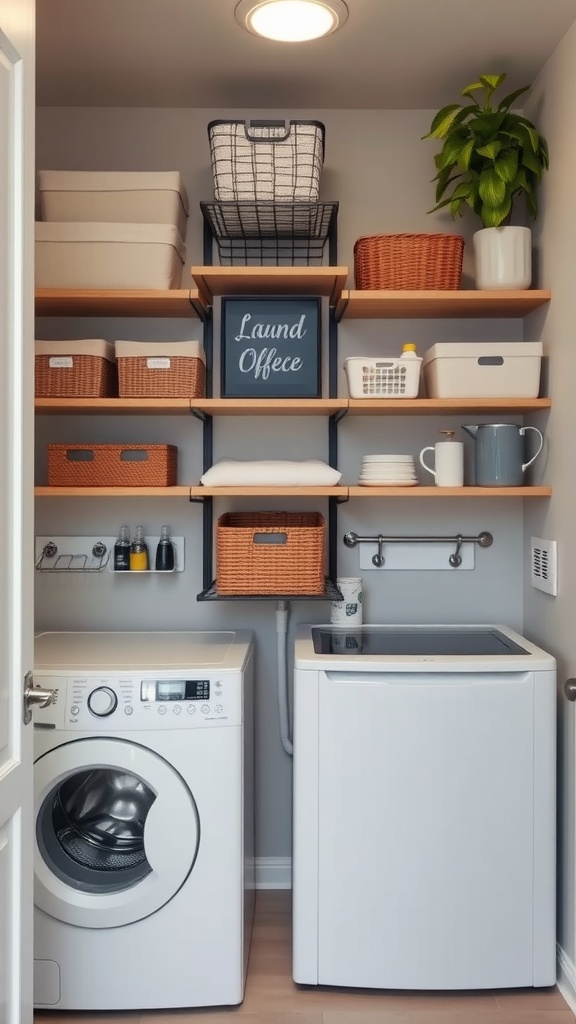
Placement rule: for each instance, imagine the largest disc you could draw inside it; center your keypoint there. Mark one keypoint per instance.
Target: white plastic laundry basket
(383, 378)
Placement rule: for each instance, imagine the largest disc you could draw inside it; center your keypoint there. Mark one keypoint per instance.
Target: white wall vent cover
(544, 571)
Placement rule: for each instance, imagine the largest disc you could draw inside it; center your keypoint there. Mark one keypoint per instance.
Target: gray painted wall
(549, 620)
(380, 171)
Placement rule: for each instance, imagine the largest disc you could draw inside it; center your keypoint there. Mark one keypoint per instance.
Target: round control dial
(102, 702)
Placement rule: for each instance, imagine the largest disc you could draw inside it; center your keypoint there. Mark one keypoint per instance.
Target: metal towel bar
(484, 540)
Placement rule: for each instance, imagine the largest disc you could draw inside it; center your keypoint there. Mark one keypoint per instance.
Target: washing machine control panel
(141, 701)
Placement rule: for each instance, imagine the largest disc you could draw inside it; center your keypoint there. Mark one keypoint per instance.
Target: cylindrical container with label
(348, 612)
(448, 461)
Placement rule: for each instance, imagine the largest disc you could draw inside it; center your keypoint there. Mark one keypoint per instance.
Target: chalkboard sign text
(271, 347)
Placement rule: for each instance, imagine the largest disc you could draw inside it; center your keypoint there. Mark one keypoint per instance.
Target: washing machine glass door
(116, 832)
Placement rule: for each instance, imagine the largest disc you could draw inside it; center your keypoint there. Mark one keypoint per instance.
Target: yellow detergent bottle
(139, 561)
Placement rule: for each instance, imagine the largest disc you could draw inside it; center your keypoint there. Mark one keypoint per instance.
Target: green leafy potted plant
(490, 156)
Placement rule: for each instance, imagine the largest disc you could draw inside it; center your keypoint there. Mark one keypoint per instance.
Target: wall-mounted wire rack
(73, 554)
(95, 554)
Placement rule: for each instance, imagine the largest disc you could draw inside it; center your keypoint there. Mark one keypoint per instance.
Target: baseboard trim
(273, 872)
(566, 977)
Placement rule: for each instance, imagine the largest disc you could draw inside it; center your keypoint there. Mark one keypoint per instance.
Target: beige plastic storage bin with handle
(483, 370)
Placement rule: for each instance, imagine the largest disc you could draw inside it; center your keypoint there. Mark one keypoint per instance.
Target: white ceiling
(192, 53)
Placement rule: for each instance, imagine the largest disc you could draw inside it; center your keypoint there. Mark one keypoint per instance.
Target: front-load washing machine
(144, 858)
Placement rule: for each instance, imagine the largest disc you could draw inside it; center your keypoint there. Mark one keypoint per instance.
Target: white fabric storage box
(161, 369)
(485, 370)
(126, 197)
(91, 255)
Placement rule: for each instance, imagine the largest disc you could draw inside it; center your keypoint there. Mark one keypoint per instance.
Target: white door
(16, 513)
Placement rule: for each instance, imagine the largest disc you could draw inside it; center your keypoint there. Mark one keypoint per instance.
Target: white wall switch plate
(544, 565)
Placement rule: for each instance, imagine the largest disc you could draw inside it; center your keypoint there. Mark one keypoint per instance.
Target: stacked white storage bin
(111, 229)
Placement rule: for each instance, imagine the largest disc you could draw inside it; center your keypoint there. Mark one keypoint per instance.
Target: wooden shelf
(341, 491)
(269, 406)
(449, 492)
(181, 302)
(381, 305)
(185, 406)
(443, 406)
(114, 406)
(113, 492)
(326, 281)
(288, 406)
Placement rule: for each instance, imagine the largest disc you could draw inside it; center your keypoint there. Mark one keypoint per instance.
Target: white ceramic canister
(348, 612)
(448, 461)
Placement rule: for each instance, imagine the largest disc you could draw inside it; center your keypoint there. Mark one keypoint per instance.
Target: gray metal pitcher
(499, 453)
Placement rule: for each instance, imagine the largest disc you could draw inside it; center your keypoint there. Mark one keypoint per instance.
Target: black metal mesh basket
(266, 160)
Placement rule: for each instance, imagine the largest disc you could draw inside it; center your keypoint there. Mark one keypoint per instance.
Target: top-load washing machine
(144, 859)
(424, 808)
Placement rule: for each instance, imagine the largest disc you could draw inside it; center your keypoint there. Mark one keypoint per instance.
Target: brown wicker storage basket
(166, 370)
(111, 465)
(407, 262)
(185, 379)
(77, 369)
(270, 553)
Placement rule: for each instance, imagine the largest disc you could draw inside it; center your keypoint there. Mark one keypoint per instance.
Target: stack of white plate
(388, 471)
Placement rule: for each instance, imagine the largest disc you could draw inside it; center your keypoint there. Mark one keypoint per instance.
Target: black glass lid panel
(415, 641)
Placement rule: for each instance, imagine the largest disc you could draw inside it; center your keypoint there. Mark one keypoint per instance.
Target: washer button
(162, 709)
(128, 710)
(218, 708)
(74, 710)
(191, 709)
(177, 710)
(205, 709)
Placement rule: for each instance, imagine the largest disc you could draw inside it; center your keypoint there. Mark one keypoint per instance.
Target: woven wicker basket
(111, 465)
(185, 378)
(270, 553)
(408, 262)
(89, 377)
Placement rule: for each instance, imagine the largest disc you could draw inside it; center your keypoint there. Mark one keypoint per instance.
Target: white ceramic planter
(503, 258)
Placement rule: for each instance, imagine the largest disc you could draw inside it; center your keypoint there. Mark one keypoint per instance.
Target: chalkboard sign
(271, 347)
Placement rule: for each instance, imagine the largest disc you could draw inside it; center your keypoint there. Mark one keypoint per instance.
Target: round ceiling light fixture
(291, 21)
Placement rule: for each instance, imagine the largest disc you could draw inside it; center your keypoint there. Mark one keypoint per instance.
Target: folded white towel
(270, 473)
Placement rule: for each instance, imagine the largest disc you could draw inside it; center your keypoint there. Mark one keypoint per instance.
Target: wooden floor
(271, 996)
